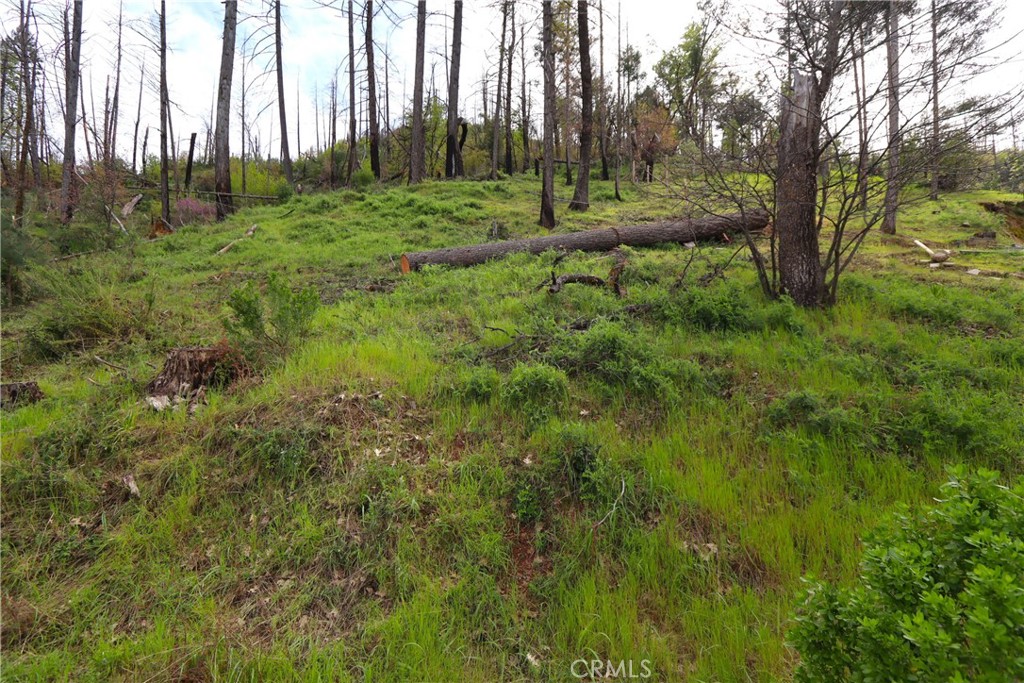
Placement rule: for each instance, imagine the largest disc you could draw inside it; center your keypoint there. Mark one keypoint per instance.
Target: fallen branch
(603, 239)
(248, 233)
(574, 279)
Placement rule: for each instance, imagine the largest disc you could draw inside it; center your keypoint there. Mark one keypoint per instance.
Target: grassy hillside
(459, 476)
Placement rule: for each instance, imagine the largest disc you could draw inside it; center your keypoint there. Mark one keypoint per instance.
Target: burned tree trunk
(795, 194)
(508, 89)
(371, 95)
(581, 196)
(417, 143)
(453, 150)
(165, 197)
(351, 161)
(892, 177)
(604, 239)
(496, 139)
(286, 159)
(222, 150)
(547, 195)
(71, 75)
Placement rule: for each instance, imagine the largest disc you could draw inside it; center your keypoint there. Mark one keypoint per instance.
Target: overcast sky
(315, 45)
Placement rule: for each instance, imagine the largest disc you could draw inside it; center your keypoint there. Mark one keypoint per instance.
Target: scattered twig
(112, 365)
(248, 233)
(612, 510)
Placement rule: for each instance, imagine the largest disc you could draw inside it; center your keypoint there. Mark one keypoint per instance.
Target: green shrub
(82, 309)
(526, 503)
(477, 384)
(608, 353)
(363, 178)
(265, 330)
(940, 596)
(538, 391)
(807, 409)
(720, 307)
(285, 452)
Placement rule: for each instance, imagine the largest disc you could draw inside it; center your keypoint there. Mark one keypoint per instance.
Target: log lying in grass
(603, 239)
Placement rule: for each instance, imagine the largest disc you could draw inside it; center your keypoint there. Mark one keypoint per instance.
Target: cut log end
(406, 268)
(188, 370)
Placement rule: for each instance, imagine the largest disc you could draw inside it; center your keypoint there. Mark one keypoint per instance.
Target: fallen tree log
(602, 239)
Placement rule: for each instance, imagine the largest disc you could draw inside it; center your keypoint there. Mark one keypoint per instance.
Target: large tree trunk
(453, 152)
(892, 179)
(602, 104)
(165, 196)
(222, 148)
(524, 107)
(934, 194)
(618, 108)
(371, 95)
(71, 74)
(417, 142)
(547, 195)
(581, 197)
(351, 161)
(508, 89)
(603, 239)
(795, 194)
(286, 159)
(26, 131)
(496, 138)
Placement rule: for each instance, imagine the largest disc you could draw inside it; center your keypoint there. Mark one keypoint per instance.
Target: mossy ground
(451, 480)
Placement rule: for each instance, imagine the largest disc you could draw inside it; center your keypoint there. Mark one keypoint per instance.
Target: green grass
(448, 481)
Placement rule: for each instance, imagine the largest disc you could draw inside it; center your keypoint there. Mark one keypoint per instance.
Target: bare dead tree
(286, 159)
(581, 196)
(892, 191)
(496, 137)
(547, 196)
(511, 51)
(371, 94)
(524, 102)
(73, 52)
(165, 197)
(222, 147)
(351, 162)
(417, 142)
(453, 151)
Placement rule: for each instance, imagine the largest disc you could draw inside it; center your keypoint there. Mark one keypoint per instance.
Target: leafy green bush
(610, 354)
(269, 329)
(940, 597)
(82, 309)
(538, 391)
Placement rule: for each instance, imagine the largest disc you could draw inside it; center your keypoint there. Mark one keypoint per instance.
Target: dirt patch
(750, 569)
(527, 563)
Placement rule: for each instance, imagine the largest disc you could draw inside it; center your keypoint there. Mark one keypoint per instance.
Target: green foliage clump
(807, 409)
(538, 391)
(269, 329)
(82, 309)
(477, 384)
(609, 353)
(940, 597)
(285, 452)
(574, 465)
